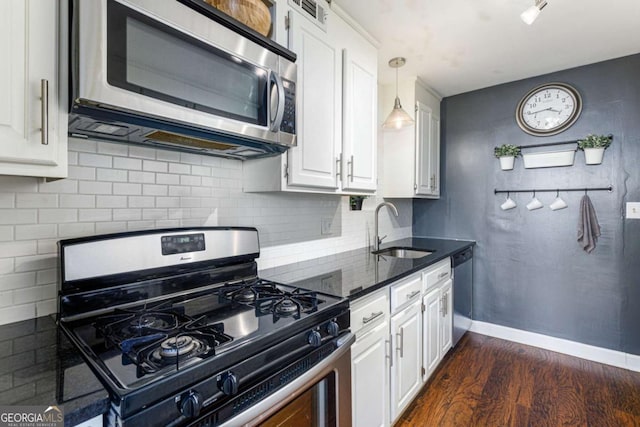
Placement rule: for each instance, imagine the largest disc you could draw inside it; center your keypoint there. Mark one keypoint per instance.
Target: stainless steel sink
(403, 253)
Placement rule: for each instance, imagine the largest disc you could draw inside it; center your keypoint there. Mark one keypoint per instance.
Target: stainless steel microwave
(165, 73)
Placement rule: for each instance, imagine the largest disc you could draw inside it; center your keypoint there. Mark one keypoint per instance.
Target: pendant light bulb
(531, 14)
(398, 118)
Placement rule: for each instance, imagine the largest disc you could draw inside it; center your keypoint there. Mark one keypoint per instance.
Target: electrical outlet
(325, 226)
(633, 210)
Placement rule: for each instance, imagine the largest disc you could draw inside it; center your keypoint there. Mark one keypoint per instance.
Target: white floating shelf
(549, 159)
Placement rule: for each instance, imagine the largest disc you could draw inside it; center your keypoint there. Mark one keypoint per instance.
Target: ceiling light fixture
(531, 14)
(398, 118)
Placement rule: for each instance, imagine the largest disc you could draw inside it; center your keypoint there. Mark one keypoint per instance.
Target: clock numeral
(532, 105)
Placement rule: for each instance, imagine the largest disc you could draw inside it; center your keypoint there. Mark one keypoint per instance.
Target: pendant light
(398, 118)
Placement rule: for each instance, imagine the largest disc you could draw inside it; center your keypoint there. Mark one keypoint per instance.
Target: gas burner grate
(287, 304)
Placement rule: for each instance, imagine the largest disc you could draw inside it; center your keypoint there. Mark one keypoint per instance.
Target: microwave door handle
(279, 112)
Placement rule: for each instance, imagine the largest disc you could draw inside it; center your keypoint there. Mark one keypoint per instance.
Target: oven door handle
(340, 358)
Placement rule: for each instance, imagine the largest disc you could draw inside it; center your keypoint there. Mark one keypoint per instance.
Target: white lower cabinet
(437, 325)
(370, 357)
(406, 336)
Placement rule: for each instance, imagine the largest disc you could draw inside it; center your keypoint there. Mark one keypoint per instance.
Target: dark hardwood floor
(486, 381)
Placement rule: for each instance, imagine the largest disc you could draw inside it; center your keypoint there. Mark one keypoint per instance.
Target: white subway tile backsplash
(127, 188)
(6, 265)
(8, 200)
(127, 163)
(77, 200)
(83, 145)
(111, 202)
(36, 200)
(142, 177)
(95, 160)
(167, 179)
(17, 281)
(57, 216)
(61, 186)
(76, 230)
(115, 187)
(142, 202)
(127, 214)
(6, 233)
(94, 215)
(18, 216)
(38, 231)
(142, 152)
(155, 190)
(113, 175)
(94, 187)
(154, 166)
(113, 149)
(35, 263)
(82, 172)
(179, 168)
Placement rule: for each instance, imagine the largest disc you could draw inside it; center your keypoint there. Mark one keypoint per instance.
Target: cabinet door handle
(373, 316)
(44, 111)
(412, 294)
(339, 166)
(388, 342)
(350, 164)
(441, 275)
(401, 346)
(442, 306)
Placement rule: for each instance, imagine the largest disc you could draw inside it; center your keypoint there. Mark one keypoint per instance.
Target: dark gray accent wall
(530, 272)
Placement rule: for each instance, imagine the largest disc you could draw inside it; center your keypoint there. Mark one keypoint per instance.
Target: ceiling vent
(313, 10)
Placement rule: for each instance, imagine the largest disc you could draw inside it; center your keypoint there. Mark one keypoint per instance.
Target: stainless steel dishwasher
(462, 293)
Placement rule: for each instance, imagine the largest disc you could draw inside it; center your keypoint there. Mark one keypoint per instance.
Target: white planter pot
(593, 156)
(506, 162)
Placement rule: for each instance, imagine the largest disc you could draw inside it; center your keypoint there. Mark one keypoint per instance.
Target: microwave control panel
(288, 124)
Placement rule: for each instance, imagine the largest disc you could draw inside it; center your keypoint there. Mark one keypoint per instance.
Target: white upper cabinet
(417, 146)
(33, 124)
(336, 112)
(313, 161)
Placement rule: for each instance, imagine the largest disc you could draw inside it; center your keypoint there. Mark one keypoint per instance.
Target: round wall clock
(549, 109)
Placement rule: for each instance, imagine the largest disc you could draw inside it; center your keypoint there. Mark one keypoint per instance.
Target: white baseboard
(572, 348)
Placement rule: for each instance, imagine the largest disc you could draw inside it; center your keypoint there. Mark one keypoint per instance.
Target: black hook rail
(550, 190)
(549, 144)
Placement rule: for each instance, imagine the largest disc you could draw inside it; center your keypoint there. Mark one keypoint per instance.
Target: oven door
(165, 60)
(321, 397)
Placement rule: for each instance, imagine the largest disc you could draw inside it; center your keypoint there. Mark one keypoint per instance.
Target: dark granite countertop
(356, 273)
(40, 366)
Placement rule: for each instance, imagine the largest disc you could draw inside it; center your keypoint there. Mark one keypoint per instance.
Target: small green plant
(507, 150)
(595, 141)
(355, 202)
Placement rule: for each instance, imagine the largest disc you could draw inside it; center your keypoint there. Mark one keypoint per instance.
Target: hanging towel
(588, 227)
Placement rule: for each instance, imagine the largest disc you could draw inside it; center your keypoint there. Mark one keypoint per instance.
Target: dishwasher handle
(462, 257)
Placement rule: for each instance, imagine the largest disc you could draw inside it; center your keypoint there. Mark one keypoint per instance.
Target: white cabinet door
(313, 162)
(32, 126)
(360, 100)
(423, 134)
(406, 378)
(446, 325)
(370, 378)
(432, 330)
(434, 157)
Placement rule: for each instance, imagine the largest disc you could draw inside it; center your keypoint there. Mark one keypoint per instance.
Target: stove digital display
(182, 243)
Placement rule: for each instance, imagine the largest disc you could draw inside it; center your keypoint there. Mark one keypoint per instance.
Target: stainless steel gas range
(179, 328)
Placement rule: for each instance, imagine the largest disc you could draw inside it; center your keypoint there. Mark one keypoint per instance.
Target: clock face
(549, 109)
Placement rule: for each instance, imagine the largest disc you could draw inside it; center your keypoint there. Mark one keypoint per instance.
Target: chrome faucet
(377, 238)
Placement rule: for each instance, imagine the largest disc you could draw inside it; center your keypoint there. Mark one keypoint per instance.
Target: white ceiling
(456, 46)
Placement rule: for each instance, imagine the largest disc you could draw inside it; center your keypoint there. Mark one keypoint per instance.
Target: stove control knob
(333, 329)
(228, 384)
(191, 404)
(314, 338)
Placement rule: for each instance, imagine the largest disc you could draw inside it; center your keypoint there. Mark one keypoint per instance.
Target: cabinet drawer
(405, 291)
(437, 273)
(370, 311)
